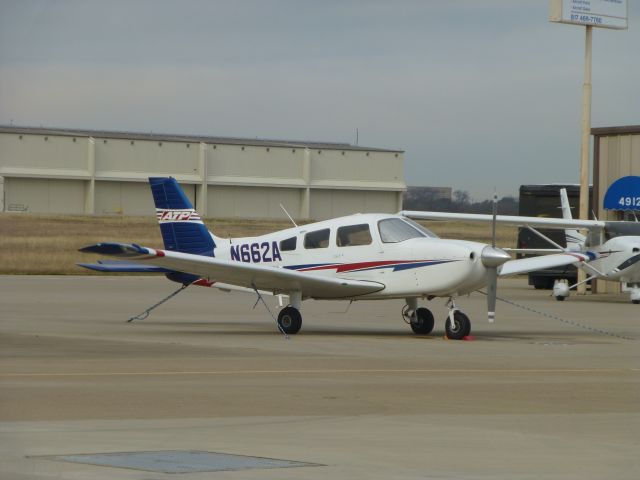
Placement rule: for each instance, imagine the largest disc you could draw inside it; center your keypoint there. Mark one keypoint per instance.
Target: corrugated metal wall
(619, 156)
(51, 172)
(616, 155)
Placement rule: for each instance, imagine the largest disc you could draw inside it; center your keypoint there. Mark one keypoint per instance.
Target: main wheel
(461, 326)
(290, 320)
(423, 323)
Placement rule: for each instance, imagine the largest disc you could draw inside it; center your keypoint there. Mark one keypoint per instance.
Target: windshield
(621, 229)
(423, 229)
(395, 230)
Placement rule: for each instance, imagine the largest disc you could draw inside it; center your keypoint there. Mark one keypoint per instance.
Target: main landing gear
(457, 324)
(420, 319)
(290, 320)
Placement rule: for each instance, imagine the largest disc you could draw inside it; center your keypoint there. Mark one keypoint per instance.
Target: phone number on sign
(585, 19)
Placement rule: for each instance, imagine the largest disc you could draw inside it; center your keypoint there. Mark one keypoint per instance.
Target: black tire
(424, 322)
(635, 302)
(560, 298)
(461, 327)
(290, 320)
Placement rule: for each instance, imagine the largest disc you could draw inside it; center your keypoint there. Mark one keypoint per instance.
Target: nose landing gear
(635, 294)
(457, 324)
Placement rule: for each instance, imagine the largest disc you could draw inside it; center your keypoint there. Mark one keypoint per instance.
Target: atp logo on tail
(182, 215)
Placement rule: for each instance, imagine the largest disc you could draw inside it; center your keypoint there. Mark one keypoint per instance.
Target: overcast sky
(479, 93)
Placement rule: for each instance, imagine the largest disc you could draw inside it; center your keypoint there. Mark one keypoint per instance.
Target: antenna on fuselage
(287, 214)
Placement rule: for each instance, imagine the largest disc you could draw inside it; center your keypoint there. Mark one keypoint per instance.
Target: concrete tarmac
(355, 392)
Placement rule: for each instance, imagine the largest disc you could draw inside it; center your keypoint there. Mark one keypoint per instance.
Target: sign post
(590, 13)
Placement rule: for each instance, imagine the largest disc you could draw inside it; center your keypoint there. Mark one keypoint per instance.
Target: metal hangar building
(67, 171)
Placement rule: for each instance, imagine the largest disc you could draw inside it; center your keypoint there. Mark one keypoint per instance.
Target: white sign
(597, 13)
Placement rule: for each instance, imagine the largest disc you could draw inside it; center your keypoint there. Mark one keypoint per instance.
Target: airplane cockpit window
(317, 239)
(621, 229)
(422, 228)
(396, 230)
(352, 235)
(288, 244)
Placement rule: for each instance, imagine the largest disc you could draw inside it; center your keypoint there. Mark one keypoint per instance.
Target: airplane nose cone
(493, 257)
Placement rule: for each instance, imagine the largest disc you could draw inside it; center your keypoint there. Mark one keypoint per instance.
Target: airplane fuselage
(619, 259)
(406, 259)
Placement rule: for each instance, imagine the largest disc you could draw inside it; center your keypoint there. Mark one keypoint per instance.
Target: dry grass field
(48, 244)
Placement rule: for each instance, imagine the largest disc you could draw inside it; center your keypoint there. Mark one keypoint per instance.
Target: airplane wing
(530, 264)
(248, 275)
(119, 266)
(533, 251)
(540, 222)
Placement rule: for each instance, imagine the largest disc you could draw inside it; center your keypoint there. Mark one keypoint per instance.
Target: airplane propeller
(492, 258)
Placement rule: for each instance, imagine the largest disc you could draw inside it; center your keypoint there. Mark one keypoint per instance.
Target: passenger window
(353, 235)
(288, 244)
(317, 239)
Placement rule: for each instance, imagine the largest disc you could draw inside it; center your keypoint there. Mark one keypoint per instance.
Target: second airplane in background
(612, 247)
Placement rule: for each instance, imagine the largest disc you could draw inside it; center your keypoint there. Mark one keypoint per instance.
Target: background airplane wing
(540, 222)
(525, 265)
(248, 275)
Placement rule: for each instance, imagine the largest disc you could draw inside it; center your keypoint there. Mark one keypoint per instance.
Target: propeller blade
(492, 291)
(492, 258)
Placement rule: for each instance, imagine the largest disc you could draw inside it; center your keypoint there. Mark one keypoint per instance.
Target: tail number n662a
(256, 252)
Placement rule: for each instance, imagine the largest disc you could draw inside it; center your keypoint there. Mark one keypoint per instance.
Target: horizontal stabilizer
(116, 249)
(115, 266)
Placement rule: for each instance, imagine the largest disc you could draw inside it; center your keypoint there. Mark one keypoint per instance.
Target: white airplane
(357, 257)
(616, 259)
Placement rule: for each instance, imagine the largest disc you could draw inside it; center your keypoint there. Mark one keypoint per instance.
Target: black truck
(544, 201)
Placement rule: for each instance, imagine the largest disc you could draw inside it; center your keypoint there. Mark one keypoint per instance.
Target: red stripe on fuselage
(362, 265)
(349, 267)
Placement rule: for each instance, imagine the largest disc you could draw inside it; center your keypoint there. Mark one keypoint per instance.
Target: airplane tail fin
(181, 226)
(575, 240)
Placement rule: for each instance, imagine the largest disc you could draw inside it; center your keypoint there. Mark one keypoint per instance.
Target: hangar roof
(71, 132)
(625, 130)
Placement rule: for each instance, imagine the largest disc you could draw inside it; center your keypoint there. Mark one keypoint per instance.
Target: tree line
(421, 198)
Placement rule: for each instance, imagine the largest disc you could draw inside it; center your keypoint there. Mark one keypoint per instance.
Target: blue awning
(623, 194)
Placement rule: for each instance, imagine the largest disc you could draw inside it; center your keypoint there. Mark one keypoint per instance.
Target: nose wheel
(635, 294)
(457, 325)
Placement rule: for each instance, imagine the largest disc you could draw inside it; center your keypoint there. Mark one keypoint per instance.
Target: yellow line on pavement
(325, 371)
